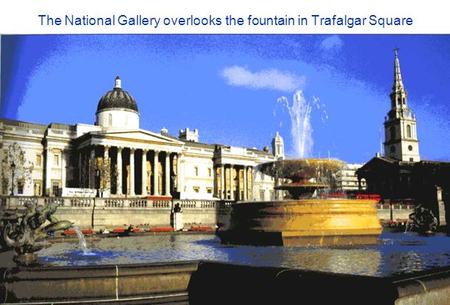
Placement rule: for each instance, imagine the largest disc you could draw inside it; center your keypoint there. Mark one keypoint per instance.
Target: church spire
(398, 84)
(398, 94)
(401, 142)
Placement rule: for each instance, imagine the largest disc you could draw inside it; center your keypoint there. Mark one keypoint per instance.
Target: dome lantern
(117, 109)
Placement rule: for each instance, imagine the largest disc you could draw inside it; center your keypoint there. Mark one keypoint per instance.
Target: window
(196, 170)
(56, 160)
(5, 186)
(20, 185)
(408, 131)
(110, 119)
(209, 172)
(261, 195)
(209, 190)
(38, 160)
(55, 188)
(392, 132)
(196, 189)
(411, 159)
(37, 188)
(410, 148)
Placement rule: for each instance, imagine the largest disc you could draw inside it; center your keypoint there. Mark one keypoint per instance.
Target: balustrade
(114, 203)
(138, 203)
(161, 203)
(81, 202)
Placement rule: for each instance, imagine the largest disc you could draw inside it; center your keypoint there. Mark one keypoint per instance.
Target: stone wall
(99, 213)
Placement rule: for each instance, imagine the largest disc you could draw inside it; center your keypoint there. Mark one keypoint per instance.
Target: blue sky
(229, 86)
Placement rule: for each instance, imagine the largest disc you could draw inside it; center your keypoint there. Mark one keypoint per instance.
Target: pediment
(139, 135)
(377, 164)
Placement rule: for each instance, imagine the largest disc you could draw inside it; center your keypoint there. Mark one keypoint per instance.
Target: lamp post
(97, 178)
(13, 169)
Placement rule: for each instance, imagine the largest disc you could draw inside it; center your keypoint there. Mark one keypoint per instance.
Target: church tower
(400, 129)
(278, 146)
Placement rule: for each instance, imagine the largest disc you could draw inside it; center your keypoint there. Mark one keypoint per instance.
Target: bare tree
(15, 167)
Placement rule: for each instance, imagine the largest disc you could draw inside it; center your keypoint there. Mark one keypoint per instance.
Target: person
(177, 217)
(177, 208)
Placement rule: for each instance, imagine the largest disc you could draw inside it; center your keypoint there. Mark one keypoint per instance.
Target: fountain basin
(201, 283)
(303, 222)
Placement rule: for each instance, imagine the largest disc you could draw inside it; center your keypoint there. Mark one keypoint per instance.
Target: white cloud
(331, 43)
(264, 79)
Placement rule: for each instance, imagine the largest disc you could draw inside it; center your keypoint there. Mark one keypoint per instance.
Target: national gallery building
(115, 158)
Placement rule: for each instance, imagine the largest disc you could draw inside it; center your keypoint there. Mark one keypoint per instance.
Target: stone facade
(116, 158)
(347, 180)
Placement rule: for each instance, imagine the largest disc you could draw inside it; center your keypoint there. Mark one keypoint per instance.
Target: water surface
(396, 253)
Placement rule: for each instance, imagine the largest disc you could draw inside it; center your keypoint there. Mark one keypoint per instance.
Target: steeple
(401, 142)
(398, 84)
(398, 94)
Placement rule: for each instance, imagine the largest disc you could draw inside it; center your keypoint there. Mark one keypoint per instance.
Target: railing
(113, 203)
(160, 204)
(397, 206)
(81, 202)
(27, 200)
(138, 203)
(54, 200)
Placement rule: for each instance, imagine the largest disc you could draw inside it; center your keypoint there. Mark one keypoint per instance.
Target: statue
(422, 221)
(24, 232)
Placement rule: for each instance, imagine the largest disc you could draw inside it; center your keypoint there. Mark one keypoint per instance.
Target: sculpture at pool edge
(25, 232)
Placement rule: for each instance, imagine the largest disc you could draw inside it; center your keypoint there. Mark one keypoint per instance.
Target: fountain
(305, 219)
(25, 232)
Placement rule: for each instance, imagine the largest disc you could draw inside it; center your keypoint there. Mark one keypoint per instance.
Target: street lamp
(13, 169)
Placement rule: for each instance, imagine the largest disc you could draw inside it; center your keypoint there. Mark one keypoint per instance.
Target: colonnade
(126, 171)
(234, 182)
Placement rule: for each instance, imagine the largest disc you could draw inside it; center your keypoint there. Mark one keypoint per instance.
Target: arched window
(408, 131)
(392, 132)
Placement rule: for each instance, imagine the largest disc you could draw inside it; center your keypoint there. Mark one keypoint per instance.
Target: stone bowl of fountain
(307, 216)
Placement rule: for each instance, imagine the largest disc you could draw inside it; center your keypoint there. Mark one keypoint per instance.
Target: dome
(117, 98)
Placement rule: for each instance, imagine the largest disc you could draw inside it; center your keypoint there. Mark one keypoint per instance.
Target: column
(131, 186)
(245, 184)
(222, 182)
(155, 173)
(106, 170)
(144, 172)
(177, 178)
(252, 183)
(119, 171)
(167, 173)
(63, 169)
(80, 164)
(48, 171)
(231, 183)
(91, 168)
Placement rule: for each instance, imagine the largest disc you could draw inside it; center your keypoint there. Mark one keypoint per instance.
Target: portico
(143, 166)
